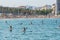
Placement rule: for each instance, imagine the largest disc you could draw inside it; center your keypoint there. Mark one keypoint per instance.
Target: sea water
(37, 29)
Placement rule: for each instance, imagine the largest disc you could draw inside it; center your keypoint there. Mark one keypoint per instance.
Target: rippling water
(37, 29)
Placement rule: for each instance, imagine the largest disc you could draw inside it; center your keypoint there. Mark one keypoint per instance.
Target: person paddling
(10, 28)
(24, 30)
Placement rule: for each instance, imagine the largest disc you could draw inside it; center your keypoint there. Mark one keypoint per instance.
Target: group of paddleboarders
(11, 28)
(24, 29)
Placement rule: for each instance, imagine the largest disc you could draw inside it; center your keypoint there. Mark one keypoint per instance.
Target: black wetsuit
(24, 30)
(10, 28)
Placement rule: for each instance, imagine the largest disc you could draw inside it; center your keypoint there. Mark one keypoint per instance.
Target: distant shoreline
(27, 18)
(30, 17)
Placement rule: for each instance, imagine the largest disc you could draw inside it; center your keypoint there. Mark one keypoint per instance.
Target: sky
(17, 3)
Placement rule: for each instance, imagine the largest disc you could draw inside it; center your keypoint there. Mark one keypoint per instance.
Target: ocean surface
(35, 29)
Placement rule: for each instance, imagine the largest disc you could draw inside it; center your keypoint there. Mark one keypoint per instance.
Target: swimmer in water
(59, 26)
(56, 21)
(42, 22)
(30, 23)
(24, 30)
(21, 23)
(5, 21)
(10, 28)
